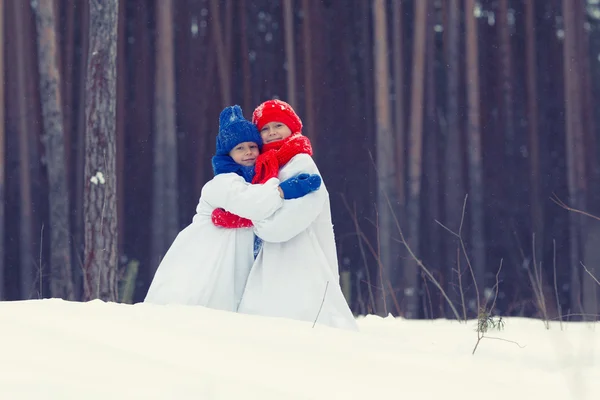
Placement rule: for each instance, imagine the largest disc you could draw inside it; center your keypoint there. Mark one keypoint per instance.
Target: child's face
(245, 153)
(274, 131)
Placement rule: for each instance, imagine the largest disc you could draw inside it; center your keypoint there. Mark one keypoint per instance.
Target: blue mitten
(300, 185)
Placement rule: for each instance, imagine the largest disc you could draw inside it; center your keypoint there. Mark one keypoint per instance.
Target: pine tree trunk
(164, 214)
(221, 50)
(575, 156)
(290, 52)
(475, 152)
(307, 36)
(61, 280)
(2, 152)
(385, 159)
(399, 120)
(26, 240)
(100, 196)
(415, 159)
(454, 190)
(532, 123)
(80, 129)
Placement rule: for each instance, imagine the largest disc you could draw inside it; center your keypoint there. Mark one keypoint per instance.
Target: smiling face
(245, 153)
(274, 131)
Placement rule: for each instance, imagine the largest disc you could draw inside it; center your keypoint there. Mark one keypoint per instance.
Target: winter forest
(459, 141)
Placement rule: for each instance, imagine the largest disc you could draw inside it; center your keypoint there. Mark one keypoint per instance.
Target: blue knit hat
(235, 129)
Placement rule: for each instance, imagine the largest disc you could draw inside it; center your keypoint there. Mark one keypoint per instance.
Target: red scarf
(274, 156)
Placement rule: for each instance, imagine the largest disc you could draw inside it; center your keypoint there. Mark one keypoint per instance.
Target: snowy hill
(52, 349)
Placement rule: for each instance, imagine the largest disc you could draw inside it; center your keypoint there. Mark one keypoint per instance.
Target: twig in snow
(322, 302)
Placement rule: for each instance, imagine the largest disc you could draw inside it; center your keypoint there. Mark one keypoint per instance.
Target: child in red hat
(296, 272)
(209, 266)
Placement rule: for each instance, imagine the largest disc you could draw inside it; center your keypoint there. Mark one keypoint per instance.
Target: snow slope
(53, 349)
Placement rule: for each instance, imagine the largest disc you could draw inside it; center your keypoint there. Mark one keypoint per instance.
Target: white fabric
(298, 260)
(207, 265)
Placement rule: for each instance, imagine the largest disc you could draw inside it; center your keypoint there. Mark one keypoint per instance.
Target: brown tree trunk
(26, 214)
(575, 155)
(222, 59)
(454, 186)
(434, 254)
(385, 159)
(588, 232)
(415, 159)
(290, 57)
(399, 121)
(2, 152)
(79, 166)
(61, 280)
(120, 127)
(246, 75)
(307, 29)
(532, 113)
(475, 152)
(100, 197)
(164, 207)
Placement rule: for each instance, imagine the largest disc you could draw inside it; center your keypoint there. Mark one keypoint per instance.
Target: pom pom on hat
(276, 110)
(235, 129)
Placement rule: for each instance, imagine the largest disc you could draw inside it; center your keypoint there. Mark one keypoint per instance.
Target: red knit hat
(276, 110)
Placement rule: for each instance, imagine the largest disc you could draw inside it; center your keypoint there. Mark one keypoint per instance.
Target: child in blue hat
(207, 265)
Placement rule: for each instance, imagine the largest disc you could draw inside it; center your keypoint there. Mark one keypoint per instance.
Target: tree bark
(575, 155)
(120, 127)
(61, 279)
(27, 276)
(221, 50)
(415, 160)
(474, 149)
(532, 120)
(385, 159)
(307, 30)
(80, 151)
(398, 46)
(2, 152)
(454, 186)
(100, 197)
(290, 57)
(164, 207)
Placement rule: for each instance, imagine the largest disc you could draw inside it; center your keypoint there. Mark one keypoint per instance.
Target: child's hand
(225, 219)
(300, 185)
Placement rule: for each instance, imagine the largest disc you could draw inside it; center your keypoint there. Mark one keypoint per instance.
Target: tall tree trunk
(399, 127)
(221, 50)
(120, 127)
(535, 200)
(432, 147)
(385, 158)
(454, 187)
(575, 156)
(61, 280)
(307, 29)
(100, 197)
(290, 57)
(2, 151)
(26, 213)
(506, 77)
(588, 230)
(475, 151)
(415, 160)
(164, 207)
(79, 166)
(246, 74)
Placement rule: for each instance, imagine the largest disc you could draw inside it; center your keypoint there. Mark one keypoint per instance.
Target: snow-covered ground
(52, 349)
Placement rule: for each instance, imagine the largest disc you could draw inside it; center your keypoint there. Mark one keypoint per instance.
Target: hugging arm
(234, 194)
(295, 215)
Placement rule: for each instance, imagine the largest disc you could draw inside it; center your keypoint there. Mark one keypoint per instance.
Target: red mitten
(225, 219)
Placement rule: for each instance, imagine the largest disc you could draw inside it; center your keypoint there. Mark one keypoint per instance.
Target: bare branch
(590, 274)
